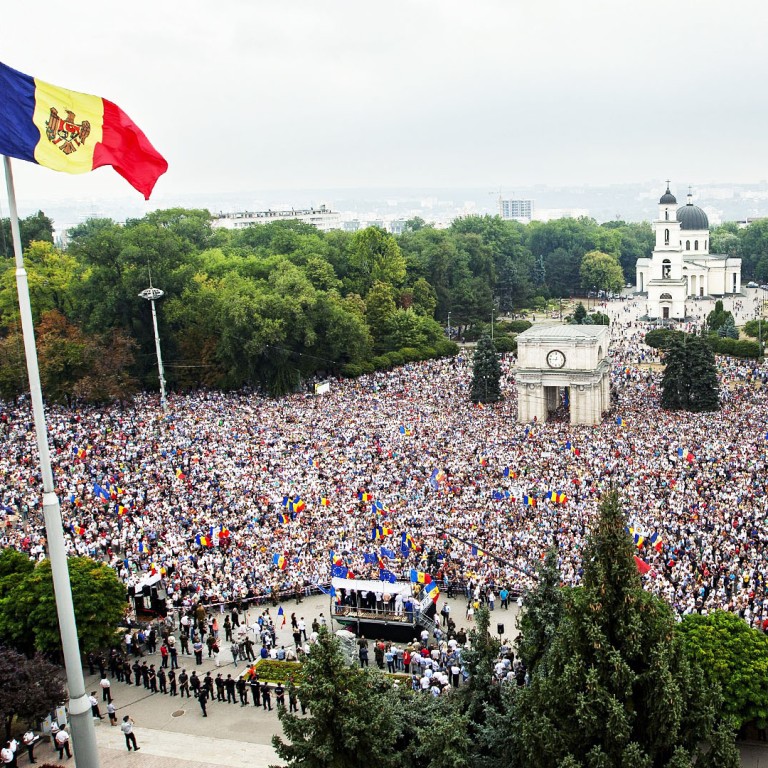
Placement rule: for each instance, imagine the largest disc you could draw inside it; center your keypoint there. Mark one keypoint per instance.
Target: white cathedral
(681, 266)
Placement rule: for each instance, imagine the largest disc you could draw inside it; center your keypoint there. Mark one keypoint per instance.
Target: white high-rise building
(516, 210)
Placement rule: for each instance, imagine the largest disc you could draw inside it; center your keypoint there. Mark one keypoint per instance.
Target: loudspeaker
(146, 590)
(500, 629)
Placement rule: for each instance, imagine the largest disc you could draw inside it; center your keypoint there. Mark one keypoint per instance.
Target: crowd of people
(235, 497)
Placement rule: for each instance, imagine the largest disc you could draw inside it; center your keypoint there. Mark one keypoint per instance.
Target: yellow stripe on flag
(68, 137)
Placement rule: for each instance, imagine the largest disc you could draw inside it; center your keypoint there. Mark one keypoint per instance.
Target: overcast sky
(246, 94)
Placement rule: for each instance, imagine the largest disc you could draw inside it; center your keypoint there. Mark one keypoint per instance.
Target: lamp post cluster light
(152, 295)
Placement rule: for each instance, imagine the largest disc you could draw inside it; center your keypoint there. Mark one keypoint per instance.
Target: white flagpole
(81, 719)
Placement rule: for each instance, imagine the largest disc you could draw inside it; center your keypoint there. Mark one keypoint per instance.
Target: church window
(666, 214)
(666, 269)
(666, 237)
(695, 245)
(687, 245)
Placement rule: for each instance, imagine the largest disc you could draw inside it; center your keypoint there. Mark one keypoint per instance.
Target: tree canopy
(486, 373)
(689, 382)
(270, 306)
(31, 687)
(733, 656)
(28, 618)
(614, 687)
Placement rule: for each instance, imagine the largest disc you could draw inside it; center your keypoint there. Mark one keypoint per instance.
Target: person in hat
(130, 738)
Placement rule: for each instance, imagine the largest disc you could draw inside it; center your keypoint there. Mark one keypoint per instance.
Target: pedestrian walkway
(181, 750)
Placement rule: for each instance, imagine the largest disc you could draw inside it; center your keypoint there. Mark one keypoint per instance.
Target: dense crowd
(231, 496)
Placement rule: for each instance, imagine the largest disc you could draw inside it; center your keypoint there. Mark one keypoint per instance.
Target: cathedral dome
(667, 198)
(691, 216)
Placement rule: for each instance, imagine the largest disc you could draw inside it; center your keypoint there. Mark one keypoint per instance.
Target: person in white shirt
(62, 744)
(130, 738)
(29, 742)
(7, 755)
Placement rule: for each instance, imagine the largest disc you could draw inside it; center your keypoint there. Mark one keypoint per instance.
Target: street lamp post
(152, 295)
(449, 326)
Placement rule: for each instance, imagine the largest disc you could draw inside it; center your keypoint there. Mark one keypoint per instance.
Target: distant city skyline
(249, 95)
(631, 202)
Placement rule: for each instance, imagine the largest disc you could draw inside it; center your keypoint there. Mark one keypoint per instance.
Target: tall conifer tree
(614, 688)
(486, 374)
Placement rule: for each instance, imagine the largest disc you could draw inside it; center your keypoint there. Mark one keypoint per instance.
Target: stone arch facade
(553, 358)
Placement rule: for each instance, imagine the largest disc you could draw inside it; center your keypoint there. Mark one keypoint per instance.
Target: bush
(599, 318)
(352, 370)
(411, 354)
(367, 367)
(753, 328)
(733, 347)
(661, 338)
(395, 358)
(427, 353)
(505, 344)
(275, 671)
(380, 362)
(518, 326)
(746, 348)
(446, 348)
(723, 345)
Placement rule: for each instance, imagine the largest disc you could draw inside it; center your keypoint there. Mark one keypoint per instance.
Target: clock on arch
(555, 359)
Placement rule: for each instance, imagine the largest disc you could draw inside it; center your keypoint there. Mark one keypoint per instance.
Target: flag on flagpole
(73, 132)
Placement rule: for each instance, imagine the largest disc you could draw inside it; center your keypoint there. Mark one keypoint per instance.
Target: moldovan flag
(73, 132)
(642, 566)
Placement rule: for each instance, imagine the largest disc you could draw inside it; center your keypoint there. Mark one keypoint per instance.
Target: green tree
(434, 733)
(733, 656)
(28, 619)
(480, 656)
(635, 242)
(615, 687)
(424, 299)
(405, 328)
(62, 354)
(754, 250)
(376, 257)
(541, 615)
(50, 274)
(661, 338)
(14, 565)
(415, 224)
(379, 308)
(689, 382)
(725, 239)
(13, 366)
(486, 373)
(602, 271)
(352, 721)
(728, 329)
(718, 317)
(579, 314)
(37, 227)
(31, 687)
